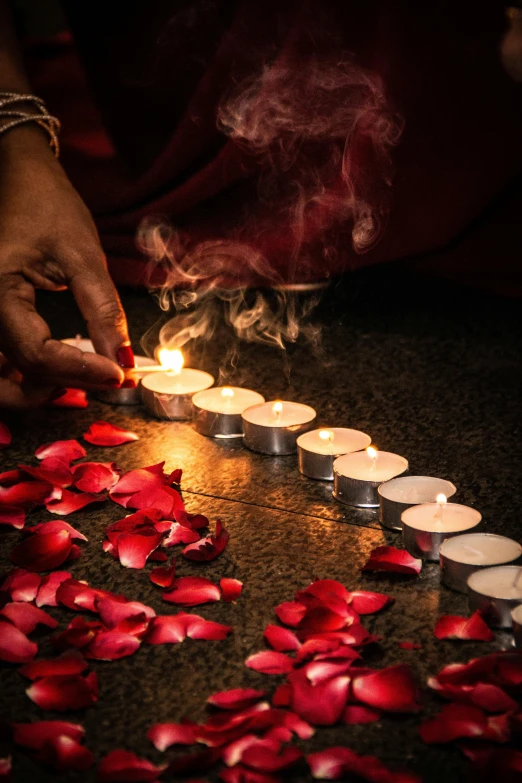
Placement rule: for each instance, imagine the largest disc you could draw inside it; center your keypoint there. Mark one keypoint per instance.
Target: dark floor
(429, 371)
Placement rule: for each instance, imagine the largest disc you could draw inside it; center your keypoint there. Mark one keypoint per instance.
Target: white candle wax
(185, 382)
(85, 345)
(279, 414)
(481, 549)
(231, 400)
(498, 582)
(441, 517)
(333, 441)
(363, 467)
(416, 489)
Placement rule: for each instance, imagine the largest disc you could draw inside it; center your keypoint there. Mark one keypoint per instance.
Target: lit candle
(461, 556)
(168, 394)
(426, 526)
(397, 495)
(357, 476)
(317, 449)
(273, 427)
(496, 592)
(217, 411)
(128, 395)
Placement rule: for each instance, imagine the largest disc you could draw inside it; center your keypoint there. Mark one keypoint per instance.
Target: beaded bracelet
(11, 116)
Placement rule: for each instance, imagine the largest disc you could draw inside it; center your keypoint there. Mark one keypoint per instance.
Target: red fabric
(140, 136)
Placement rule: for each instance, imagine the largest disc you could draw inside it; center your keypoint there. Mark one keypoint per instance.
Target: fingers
(27, 342)
(100, 305)
(20, 397)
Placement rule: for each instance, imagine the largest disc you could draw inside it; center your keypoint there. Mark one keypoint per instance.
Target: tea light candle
(217, 411)
(357, 476)
(122, 396)
(317, 450)
(168, 394)
(426, 526)
(516, 619)
(461, 556)
(496, 592)
(273, 427)
(397, 495)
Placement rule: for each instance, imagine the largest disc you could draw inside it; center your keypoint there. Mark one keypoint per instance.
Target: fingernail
(114, 382)
(129, 383)
(125, 356)
(56, 394)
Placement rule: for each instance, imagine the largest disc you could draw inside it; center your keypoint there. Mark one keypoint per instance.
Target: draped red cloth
(138, 86)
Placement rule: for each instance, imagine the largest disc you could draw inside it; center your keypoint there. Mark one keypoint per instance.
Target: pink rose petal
(102, 433)
(191, 591)
(281, 639)
(26, 616)
(230, 589)
(269, 662)
(468, 629)
(235, 699)
(66, 450)
(42, 551)
(15, 647)
(388, 558)
(208, 548)
(5, 435)
(64, 692)
(94, 477)
(121, 765)
(392, 689)
(71, 502)
(13, 516)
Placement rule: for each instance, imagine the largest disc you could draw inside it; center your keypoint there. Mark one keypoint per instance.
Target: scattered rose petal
(282, 696)
(53, 470)
(392, 689)
(230, 589)
(112, 645)
(240, 774)
(365, 602)
(163, 576)
(356, 714)
(54, 526)
(388, 558)
(94, 477)
(191, 591)
(26, 616)
(135, 548)
(64, 692)
(102, 433)
(43, 551)
(121, 765)
(339, 762)
(22, 585)
(13, 516)
(269, 662)
(64, 753)
(6, 768)
(322, 704)
(179, 534)
(163, 735)
(464, 628)
(28, 494)
(71, 502)
(66, 450)
(410, 645)
(136, 481)
(71, 662)
(35, 735)
(281, 639)
(5, 435)
(208, 548)
(172, 629)
(15, 647)
(236, 699)
(456, 721)
(291, 612)
(10, 477)
(264, 758)
(113, 610)
(73, 398)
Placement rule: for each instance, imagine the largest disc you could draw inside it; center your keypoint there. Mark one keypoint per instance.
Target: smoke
(321, 131)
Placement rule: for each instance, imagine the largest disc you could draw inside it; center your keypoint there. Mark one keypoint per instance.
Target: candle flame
(171, 360)
(277, 409)
(442, 499)
(371, 452)
(326, 435)
(227, 392)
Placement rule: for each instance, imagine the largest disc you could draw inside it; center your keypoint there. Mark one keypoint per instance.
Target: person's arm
(48, 240)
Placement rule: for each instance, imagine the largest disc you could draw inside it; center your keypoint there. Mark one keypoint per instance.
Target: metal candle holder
(426, 543)
(275, 440)
(496, 611)
(167, 405)
(314, 465)
(455, 574)
(390, 511)
(217, 425)
(358, 492)
(516, 620)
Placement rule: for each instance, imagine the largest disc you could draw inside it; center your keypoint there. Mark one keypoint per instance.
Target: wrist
(26, 141)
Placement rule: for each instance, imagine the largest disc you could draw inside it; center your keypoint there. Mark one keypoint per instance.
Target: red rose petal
(28, 494)
(320, 705)
(179, 534)
(324, 589)
(22, 585)
(281, 639)
(339, 762)
(240, 774)
(121, 765)
(64, 754)
(53, 470)
(54, 526)
(10, 477)
(78, 634)
(135, 548)
(356, 714)
(66, 450)
(95, 477)
(263, 758)
(235, 699)
(43, 551)
(13, 516)
(5, 435)
(282, 696)
(113, 611)
(35, 735)
(26, 616)
(208, 548)
(102, 433)
(71, 502)
(268, 662)
(15, 647)
(456, 721)
(230, 589)
(71, 662)
(192, 590)
(388, 558)
(199, 628)
(164, 499)
(47, 591)
(321, 671)
(410, 646)
(163, 577)
(392, 689)
(290, 613)
(73, 398)
(472, 628)
(365, 602)
(77, 596)
(137, 481)
(163, 735)
(112, 645)
(64, 692)
(167, 629)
